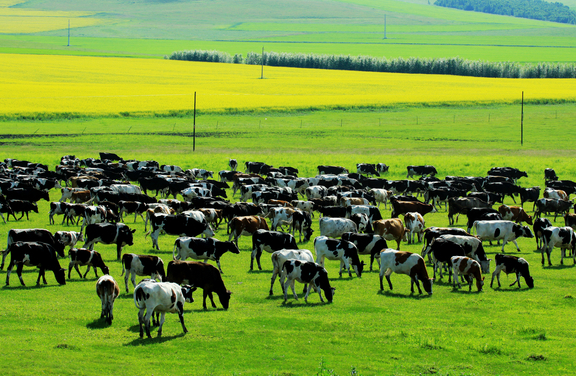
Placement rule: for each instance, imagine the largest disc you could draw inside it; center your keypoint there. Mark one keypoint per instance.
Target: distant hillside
(533, 9)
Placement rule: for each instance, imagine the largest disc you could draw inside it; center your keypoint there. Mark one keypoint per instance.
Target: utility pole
(262, 74)
(68, 33)
(194, 131)
(522, 122)
(385, 27)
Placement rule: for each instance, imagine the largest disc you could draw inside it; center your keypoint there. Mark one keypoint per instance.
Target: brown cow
(213, 216)
(246, 225)
(280, 203)
(469, 268)
(514, 213)
(198, 274)
(391, 229)
(570, 220)
(349, 201)
(80, 196)
(403, 207)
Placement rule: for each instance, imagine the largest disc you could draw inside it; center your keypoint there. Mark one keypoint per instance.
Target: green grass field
(56, 329)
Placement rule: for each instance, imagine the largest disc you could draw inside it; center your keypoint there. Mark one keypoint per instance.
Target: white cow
(414, 222)
(506, 231)
(160, 297)
(126, 188)
(341, 250)
(381, 196)
(107, 290)
(280, 216)
(335, 227)
(280, 257)
(316, 191)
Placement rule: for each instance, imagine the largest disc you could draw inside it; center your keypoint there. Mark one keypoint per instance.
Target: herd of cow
(102, 191)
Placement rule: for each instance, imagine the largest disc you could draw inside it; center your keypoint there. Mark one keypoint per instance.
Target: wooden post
(194, 131)
(262, 73)
(522, 122)
(68, 33)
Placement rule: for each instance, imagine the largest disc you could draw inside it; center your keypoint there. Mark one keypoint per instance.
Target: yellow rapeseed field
(22, 21)
(94, 85)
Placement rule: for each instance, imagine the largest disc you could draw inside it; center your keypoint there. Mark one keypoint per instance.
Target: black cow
(154, 184)
(503, 188)
(512, 264)
(442, 251)
(477, 214)
(202, 249)
(32, 235)
(5, 208)
(462, 205)
(37, 254)
(529, 195)
(331, 170)
(109, 233)
(509, 172)
(287, 170)
(367, 244)
(367, 169)
(567, 186)
(233, 163)
(29, 194)
(257, 168)
(421, 171)
(269, 241)
(109, 156)
(86, 257)
(22, 206)
(548, 205)
(550, 174)
(539, 225)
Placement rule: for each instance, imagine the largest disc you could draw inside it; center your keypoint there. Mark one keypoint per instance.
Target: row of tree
(452, 66)
(533, 9)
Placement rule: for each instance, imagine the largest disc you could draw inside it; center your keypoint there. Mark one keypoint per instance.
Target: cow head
(125, 235)
(60, 275)
(526, 232)
(187, 291)
(208, 231)
(233, 248)
(427, 284)
(225, 298)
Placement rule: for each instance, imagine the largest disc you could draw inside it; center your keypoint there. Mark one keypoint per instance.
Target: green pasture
(157, 28)
(502, 331)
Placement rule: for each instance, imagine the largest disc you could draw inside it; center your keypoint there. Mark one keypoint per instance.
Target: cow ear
(133, 231)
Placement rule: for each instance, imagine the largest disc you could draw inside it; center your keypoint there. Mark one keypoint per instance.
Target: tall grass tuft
(450, 66)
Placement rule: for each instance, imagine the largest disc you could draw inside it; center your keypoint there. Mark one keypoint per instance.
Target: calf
(246, 225)
(343, 250)
(37, 254)
(280, 257)
(68, 238)
(22, 206)
(515, 214)
(202, 249)
(142, 265)
(160, 297)
(415, 223)
(306, 272)
(204, 276)
(469, 268)
(367, 244)
(512, 264)
(391, 229)
(107, 290)
(501, 230)
(86, 257)
(407, 263)
(559, 237)
(269, 241)
(539, 225)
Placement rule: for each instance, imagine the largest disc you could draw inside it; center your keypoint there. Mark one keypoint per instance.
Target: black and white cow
(37, 254)
(160, 297)
(142, 265)
(269, 241)
(68, 238)
(539, 225)
(382, 167)
(367, 244)
(343, 250)
(501, 230)
(86, 257)
(32, 235)
(332, 170)
(109, 233)
(367, 169)
(547, 205)
(107, 290)
(512, 264)
(180, 225)
(421, 171)
(202, 249)
(306, 272)
(335, 227)
(22, 206)
(233, 163)
(559, 237)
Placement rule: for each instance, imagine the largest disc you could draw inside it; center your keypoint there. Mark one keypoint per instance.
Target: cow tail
(176, 244)
(123, 268)
(138, 297)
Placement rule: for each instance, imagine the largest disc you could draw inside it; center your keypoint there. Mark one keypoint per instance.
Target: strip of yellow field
(93, 86)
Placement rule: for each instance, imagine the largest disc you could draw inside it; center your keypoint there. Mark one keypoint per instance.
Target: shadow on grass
(300, 303)
(259, 271)
(98, 324)
(412, 295)
(150, 341)
(559, 267)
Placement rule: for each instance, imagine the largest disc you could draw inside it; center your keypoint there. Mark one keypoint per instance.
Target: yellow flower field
(95, 85)
(21, 21)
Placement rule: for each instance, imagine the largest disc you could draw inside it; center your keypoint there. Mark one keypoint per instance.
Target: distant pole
(262, 74)
(194, 131)
(522, 122)
(68, 33)
(384, 26)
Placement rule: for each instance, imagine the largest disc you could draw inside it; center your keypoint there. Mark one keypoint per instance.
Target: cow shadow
(150, 341)
(510, 289)
(300, 303)
(260, 271)
(99, 323)
(464, 290)
(411, 295)
(558, 266)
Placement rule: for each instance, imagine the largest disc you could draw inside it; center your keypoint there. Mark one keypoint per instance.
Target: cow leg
(78, 270)
(126, 277)
(272, 280)
(149, 314)
(455, 278)
(180, 307)
(307, 291)
(87, 270)
(141, 321)
(218, 263)
(162, 318)
(10, 266)
(517, 280)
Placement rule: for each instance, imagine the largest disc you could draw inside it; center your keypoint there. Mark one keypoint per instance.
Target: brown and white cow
(246, 225)
(415, 223)
(557, 194)
(107, 290)
(512, 264)
(68, 238)
(80, 197)
(469, 268)
(391, 229)
(411, 264)
(515, 214)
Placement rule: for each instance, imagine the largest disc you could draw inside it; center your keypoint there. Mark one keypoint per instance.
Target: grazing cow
(367, 169)
(539, 225)
(432, 233)
(529, 195)
(269, 241)
(469, 268)
(233, 163)
(411, 264)
(37, 254)
(546, 205)
(202, 249)
(331, 170)
(402, 207)
(421, 171)
(109, 233)
(302, 222)
(86, 257)
(556, 194)
(107, 290)
(442, 251)
(160, 297)
(142, 265)
(512, 264)
(31, 235)
(391, 229)
(180, 225)
(515, 214)
(550, 174)
(367, 244)
(280, 216)
(501, 230)
(22, 206)
(415, 223)
(381, 195)
(477, 214)
(280, 257)
(472, 248)
(509, 172)
(343, 250)
(462, 205)
(201, 275)
(559, 237)
(382, 167)
(109, 156)
(246, 225)
(306, 272)
(335, 227)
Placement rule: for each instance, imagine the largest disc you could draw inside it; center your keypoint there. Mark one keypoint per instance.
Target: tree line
(533, 9)
(450, 66)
